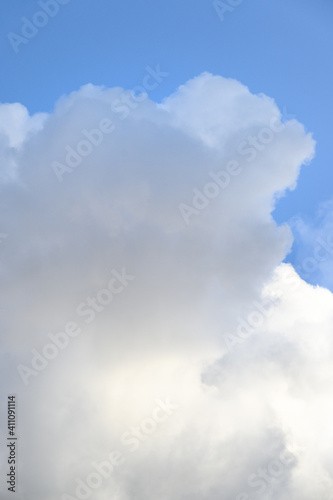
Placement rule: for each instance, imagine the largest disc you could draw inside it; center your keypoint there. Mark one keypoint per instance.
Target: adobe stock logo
(121, 107)
(254, 320)
(59, 341)
(84, 148)
(265, 477)
(131, 439)
(30, 28)
(221, 8)
(248, 148)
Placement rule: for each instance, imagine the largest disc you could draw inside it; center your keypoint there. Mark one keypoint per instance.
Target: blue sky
(280, 48)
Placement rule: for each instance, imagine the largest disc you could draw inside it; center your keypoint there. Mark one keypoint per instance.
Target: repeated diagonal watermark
(31, 27)
(248, 148)
(88, 310)
(132, 439)
(225, 8)
(262, 481)
(122, 107)
(322, 251)
(248, 324)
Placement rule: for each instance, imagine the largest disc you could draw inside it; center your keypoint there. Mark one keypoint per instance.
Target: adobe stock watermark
(30, 28)
(219, 181)
(322, 252)
(222, 8)
(88, 310)
(131, 439)
(84, 148)
(264, 478)
(264, 309)
(247, 326)
(122, 106)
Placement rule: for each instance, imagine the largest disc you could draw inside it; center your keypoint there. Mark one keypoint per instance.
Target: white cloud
(163, 336)
(15, 127)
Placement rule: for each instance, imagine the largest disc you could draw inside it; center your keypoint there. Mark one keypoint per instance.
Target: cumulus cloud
(16, 126)
(313, 247)
(117, 307)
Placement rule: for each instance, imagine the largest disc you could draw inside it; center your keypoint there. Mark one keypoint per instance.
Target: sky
(166, 249)
(280, 48)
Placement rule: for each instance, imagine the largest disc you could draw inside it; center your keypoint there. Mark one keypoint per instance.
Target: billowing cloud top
(156, 346)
